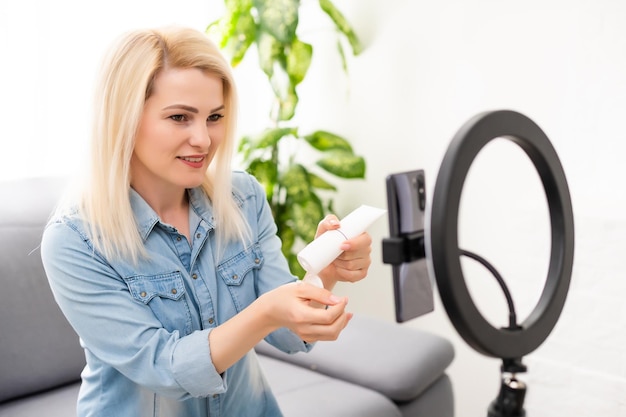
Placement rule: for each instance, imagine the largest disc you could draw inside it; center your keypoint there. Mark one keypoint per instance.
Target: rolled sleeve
(287, 341)
(193, 368)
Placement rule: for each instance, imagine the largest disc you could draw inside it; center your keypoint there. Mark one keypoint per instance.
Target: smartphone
(406, 203)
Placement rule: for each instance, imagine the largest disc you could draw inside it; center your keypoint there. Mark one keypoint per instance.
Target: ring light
(442, 248)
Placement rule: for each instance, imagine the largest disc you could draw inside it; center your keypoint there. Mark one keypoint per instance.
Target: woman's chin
(194, 182)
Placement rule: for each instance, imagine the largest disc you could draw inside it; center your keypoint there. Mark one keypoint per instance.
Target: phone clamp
(404, 248)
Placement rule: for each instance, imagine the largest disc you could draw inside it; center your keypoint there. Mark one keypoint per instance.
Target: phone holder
(441, 248)
(404, 249)
(412, 284)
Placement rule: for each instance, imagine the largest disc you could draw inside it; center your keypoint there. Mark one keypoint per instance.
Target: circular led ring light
(442, 248)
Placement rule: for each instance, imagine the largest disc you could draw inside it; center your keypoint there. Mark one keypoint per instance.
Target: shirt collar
(147, 218)
(199, 202)
(203, 207)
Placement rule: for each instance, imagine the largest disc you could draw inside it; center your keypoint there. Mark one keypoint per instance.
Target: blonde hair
(126, 82)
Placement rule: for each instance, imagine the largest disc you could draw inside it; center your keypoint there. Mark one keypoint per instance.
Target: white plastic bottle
(318, 254)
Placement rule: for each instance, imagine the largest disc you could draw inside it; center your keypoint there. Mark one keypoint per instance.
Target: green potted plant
(298, 196)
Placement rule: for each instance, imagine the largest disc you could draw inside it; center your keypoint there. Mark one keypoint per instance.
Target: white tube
(318, 254)
(313, 280)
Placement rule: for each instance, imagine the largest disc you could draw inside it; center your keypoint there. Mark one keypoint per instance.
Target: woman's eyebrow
(181, 106)
(190, 108)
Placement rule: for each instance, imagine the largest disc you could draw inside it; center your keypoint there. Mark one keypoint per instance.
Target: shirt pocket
(165, 295)
(238, 274)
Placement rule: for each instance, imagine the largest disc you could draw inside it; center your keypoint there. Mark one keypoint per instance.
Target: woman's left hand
(353, 263)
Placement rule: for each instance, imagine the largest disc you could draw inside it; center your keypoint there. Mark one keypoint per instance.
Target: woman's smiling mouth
(193, 161)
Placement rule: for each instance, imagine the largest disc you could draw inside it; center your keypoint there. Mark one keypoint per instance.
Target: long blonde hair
(125, 83)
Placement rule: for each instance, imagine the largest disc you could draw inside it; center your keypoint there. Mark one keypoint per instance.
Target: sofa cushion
(60, 402)
(399, 362)
(304, 393)
(39, 349)
(436, 400)
(300, 393)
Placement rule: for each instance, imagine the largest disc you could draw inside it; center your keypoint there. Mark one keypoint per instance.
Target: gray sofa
(376, 368)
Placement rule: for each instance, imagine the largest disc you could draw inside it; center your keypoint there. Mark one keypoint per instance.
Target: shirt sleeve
(116, 329)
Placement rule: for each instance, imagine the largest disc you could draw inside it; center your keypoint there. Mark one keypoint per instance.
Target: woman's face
(180, 129)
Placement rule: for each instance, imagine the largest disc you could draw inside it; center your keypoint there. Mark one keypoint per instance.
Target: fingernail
(344, 246)
(333, 222)
(334, 298)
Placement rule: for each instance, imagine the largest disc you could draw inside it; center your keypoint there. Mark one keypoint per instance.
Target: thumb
(320, 295)
(330, 222)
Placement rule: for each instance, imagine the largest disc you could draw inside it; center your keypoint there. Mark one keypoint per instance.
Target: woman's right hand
(294, 306)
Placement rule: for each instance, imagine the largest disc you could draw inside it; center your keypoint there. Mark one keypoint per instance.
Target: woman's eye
(178, 117)
(215, 117)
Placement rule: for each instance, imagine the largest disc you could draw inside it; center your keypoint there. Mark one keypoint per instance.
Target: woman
(168, 265)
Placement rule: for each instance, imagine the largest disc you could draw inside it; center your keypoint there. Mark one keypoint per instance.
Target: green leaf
(326, 141)
(288, 105)
(270, 137)
(284, 91)
(245, 147)
(320, 183)
(298, 60)
(244, 144)
(219, 30)
(245, 34)
(266, 173)
(306, 216)
(223, 28)
(295, 266)
(278, 17)
(288, 238)
(296, 184)
(270, 52)
(342, 25)
(343, 165)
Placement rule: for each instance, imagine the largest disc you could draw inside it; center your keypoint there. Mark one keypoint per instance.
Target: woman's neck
(170, 204)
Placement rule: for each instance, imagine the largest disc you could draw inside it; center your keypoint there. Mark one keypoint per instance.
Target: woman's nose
(200, 136)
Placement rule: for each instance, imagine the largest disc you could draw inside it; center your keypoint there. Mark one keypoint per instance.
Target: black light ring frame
(442, 247)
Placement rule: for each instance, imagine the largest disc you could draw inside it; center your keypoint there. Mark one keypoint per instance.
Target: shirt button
(194, 276)
(174, 291)
(178, 238)
(211, 320)
(257, 260)
(215, 395)
(198, 235)
(143, 294)
(235, 276)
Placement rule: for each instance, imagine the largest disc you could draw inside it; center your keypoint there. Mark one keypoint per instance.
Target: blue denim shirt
(145, 328)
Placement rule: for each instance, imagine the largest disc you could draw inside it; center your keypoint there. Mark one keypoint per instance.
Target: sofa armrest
(395, 360)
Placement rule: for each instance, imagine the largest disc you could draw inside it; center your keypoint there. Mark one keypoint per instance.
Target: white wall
(50, 51)
(428, 67)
